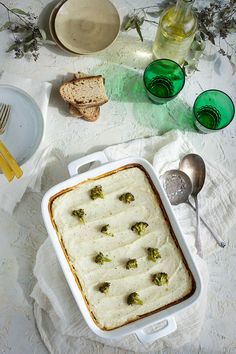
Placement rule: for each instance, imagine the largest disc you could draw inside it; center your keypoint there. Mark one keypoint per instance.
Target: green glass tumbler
(213, 110)
(163, 80)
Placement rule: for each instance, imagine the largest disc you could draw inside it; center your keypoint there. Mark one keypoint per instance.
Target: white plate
(25, 127)
(51, 25)
(86, 27)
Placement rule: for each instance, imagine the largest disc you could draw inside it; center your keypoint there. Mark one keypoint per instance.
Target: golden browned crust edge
(74, 112)
(83, 114)
(53, 198)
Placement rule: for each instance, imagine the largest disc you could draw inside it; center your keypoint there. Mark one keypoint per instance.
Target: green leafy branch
(27, 36)
(140, 15)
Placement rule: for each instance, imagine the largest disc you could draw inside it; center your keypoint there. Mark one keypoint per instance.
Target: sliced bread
(90, 114)
(74, 112)
(84, 92)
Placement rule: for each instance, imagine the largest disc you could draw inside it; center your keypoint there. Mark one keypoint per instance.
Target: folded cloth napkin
(59, 321)
(11, 193)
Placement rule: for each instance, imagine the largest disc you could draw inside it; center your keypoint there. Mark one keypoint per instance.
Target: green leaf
(138, 29)
(19, 28)
(190, 67)
(47, 41)
(128, 23)
(13, 47)
(154, 13)
(210, 37)
(131, 22)
(140, 20)
(28, 36)
(40, 42)
(43, 34)
(198, 46)
(6, 26)
(202, 35)
(20, 12)
(28, 44)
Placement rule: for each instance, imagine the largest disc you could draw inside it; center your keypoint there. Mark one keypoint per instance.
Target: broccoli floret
(132, 263)
(106, 230)
(100, 258)
(127, 198)
(139, 227)
(96, 192)
(153, 254)
(133, 299)
(160, 278)
(80, 214)
(104, 288)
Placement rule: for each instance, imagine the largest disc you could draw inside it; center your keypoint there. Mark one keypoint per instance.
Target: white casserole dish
(139, 327)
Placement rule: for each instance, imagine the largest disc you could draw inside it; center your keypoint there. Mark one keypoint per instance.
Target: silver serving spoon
(194, 166)
(178, 187)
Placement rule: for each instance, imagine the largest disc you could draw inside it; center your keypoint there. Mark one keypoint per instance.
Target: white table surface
(72, 138)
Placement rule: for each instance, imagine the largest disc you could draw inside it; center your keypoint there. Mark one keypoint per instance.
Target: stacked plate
(84, 27)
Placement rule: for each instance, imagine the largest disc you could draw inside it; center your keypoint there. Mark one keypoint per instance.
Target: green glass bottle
(176, 31)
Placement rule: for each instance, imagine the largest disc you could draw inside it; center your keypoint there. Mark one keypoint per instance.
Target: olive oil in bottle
(176, 31)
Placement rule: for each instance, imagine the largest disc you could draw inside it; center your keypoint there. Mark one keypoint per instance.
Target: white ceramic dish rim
(41, 138)
(138, 327)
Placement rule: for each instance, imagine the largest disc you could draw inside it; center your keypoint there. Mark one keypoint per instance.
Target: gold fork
(8, 164)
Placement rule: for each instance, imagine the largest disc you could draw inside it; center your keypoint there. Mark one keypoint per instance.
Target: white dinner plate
(25, 128)
(86, 27)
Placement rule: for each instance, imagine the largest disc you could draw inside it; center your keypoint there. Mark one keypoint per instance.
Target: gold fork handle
(6, 169)
(10, 160)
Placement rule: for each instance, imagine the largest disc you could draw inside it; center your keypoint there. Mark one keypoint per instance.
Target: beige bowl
(87, 27)
(52, 28)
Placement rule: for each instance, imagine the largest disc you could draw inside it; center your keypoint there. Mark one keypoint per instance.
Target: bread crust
(89, 114)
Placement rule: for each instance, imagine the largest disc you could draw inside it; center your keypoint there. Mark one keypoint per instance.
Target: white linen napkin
(59, 321)
(11, 193)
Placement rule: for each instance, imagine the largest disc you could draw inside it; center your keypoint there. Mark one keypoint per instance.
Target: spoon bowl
(194, 166)
(177, 185)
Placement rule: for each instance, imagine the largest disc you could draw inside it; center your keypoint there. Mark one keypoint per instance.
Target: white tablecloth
(126, 117)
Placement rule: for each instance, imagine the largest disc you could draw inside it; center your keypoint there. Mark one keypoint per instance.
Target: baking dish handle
(96, 156)
(149, 338)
